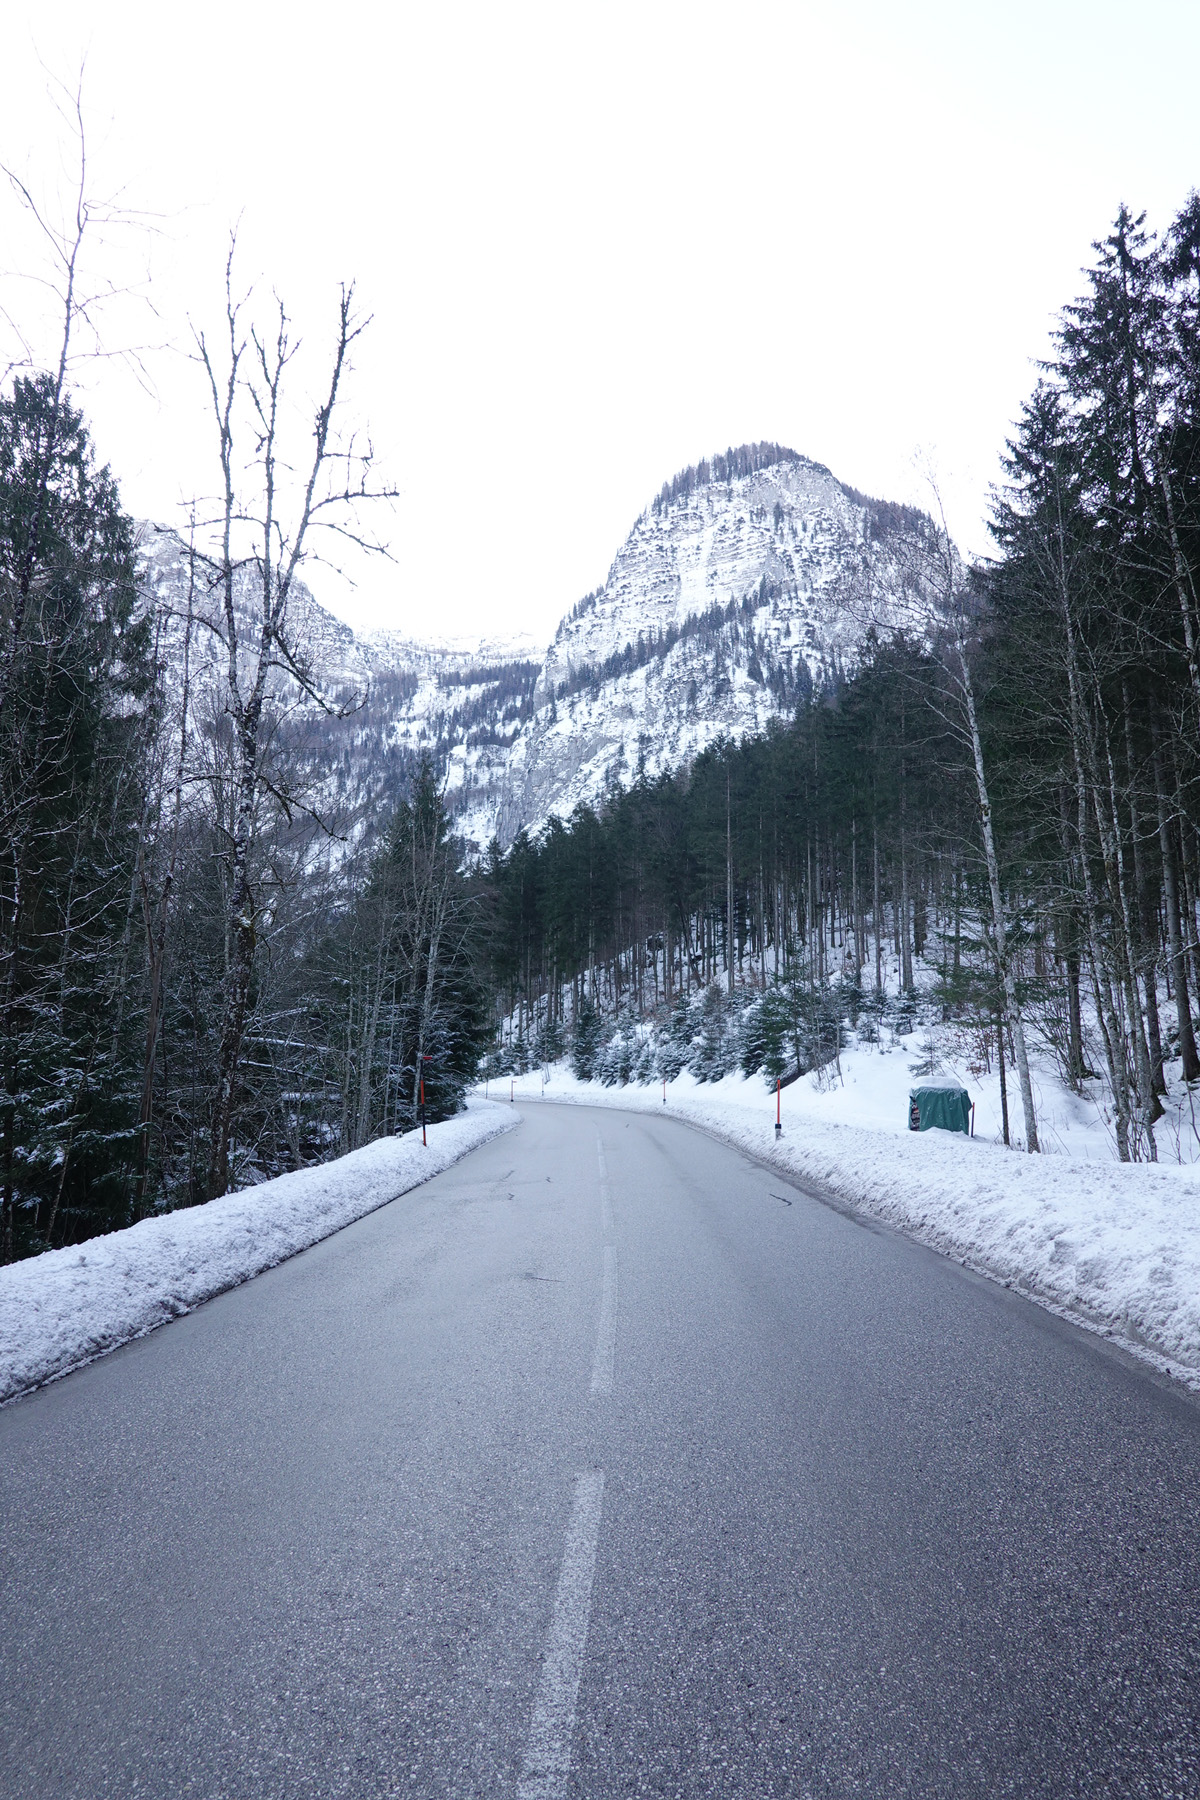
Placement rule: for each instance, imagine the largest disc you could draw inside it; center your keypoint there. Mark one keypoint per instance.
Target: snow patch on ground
(66, 1307)
(1115, 1246)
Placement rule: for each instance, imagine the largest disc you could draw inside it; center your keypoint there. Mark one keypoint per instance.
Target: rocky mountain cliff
(746, 583)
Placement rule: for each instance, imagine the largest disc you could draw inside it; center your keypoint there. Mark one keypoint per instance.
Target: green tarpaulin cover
(939, 1102)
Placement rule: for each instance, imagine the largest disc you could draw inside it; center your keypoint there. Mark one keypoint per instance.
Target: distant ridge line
(886, 516)
(733, 465)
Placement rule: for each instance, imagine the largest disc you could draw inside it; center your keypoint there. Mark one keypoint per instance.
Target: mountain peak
(730, 465)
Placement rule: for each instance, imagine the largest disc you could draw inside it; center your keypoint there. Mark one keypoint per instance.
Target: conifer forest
(212, 969)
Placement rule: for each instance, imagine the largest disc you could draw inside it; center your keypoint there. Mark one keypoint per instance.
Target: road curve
(608, 1463)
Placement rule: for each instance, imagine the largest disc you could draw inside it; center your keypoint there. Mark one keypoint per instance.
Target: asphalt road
(608, 1463)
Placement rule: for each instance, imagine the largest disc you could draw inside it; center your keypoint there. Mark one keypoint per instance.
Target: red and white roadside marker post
(778, 1108)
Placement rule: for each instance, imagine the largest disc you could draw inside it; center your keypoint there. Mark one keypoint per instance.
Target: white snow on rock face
(65, 1307)
(789, 524)
(182, 583)
(727, 603)
(733, 595)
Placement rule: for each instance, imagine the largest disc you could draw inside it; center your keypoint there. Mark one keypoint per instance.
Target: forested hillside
(1006, 790)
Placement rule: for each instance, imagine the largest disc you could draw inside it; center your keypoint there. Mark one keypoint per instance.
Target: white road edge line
(552, 1728)
(606, 1333)
(601, 1161)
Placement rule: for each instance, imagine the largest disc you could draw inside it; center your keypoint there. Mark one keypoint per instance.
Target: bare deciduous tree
(264, 526)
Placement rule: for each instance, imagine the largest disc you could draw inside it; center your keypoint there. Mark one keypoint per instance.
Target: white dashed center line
(606, 1333)
(548, 1747)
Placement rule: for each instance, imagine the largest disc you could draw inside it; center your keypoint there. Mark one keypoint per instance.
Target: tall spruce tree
(74, 667)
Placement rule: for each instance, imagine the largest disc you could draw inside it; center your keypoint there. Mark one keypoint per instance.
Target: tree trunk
(878, 907)
(999, 916)
(1187, 1038)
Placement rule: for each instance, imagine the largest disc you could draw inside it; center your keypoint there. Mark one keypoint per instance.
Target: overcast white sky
(601, 242)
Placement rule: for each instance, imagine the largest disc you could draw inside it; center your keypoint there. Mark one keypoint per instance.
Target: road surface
(608, 1463)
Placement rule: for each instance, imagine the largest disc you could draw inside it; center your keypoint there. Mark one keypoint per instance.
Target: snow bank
(65, 1307)
(1115, 1246)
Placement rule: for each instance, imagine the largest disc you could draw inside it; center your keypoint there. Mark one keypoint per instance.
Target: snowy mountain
(747, 582)
(385, 700)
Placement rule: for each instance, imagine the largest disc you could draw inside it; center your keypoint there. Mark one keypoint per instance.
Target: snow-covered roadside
(1114, 1246)
(65, 1307)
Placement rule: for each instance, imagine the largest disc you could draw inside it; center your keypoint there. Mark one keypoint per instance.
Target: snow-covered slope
(747, 581)
(376, 703)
